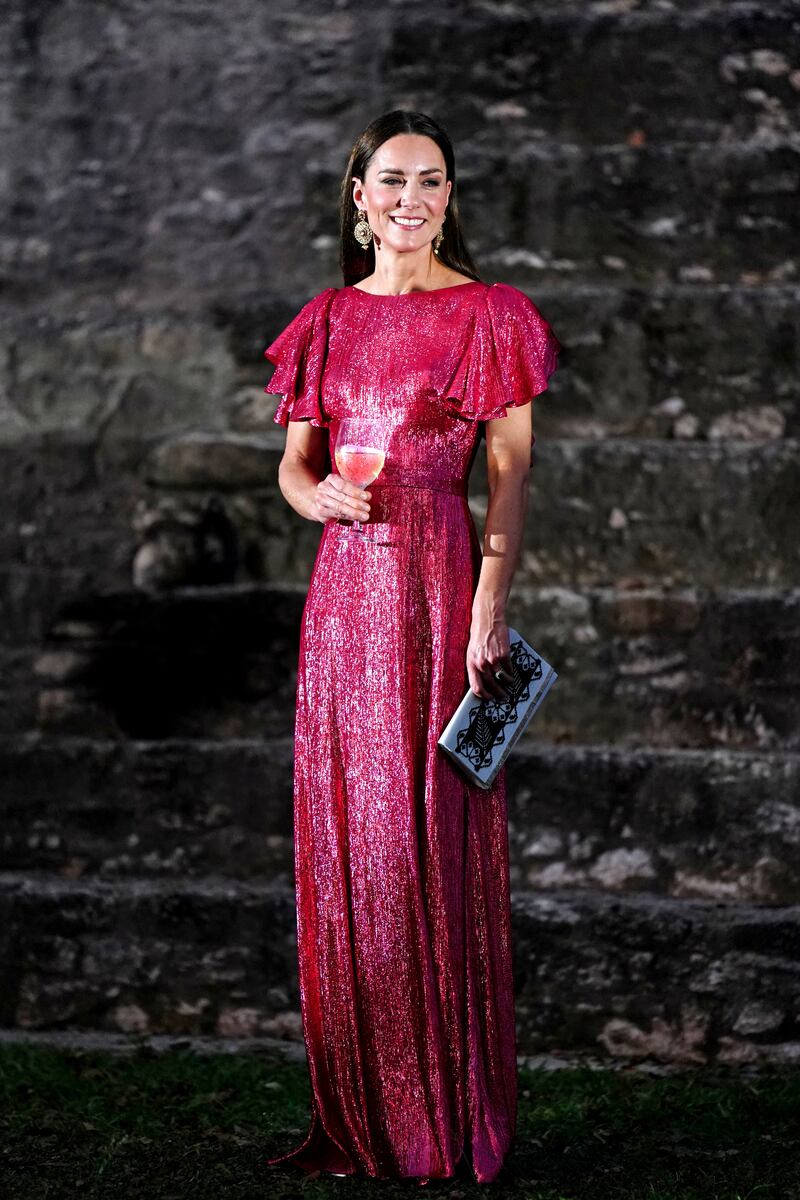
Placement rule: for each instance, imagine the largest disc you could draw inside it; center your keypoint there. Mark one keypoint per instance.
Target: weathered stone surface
(170, 189)
(19, 688)
(637, 357)
(70, 516)
(721, 350)
(139, 955)
(683, 667)
(717, 824)
(120, 374)
(81, 806)
(640, 211)
(714, 824)
(599, 511)
(636, 975)
(179, 664)
(757, 424)
(123, 1045)
(633, 166)
(699, 514)
(202, 460)
(646, 976)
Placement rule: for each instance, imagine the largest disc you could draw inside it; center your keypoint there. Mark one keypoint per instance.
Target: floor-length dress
(401, 865)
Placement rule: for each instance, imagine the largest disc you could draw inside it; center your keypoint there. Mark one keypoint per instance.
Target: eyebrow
(399, 171)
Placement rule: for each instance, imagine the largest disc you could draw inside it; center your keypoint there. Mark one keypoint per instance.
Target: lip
(420, 219)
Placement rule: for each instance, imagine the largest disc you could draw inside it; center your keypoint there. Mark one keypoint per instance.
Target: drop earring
(362, 231)
(437, 241)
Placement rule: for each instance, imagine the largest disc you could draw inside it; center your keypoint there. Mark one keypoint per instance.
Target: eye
(392, 181)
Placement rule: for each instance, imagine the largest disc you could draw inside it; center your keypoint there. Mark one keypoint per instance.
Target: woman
(401, 865)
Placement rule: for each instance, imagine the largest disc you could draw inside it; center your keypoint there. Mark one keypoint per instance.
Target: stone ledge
(291, 1050)
(714, 513)
(637, 666)
(685, 981)
(715, 824)
(720, 348)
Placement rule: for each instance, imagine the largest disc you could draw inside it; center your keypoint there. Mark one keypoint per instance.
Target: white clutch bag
(481, 733)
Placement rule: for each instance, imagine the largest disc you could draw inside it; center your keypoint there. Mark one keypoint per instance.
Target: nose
(408, 195)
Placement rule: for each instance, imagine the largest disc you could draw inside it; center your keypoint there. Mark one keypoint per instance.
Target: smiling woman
(401, 864)
(401, 178)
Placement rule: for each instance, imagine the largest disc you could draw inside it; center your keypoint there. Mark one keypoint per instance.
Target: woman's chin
(404, 245)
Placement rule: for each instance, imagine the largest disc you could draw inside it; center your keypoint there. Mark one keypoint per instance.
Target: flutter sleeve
(512, 353)
(299, 355)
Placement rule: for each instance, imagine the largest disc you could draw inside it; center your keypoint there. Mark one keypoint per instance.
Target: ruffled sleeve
(512, 353)
(299, 355)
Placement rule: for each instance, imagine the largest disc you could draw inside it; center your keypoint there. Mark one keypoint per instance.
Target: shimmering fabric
(401, 866)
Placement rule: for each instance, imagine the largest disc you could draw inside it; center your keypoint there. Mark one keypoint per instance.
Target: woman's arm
(301, 483)
(508, 455)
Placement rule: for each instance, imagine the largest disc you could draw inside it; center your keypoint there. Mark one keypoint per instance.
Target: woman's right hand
(337, 499)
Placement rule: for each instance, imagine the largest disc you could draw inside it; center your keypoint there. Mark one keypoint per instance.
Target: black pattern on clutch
(488, 718)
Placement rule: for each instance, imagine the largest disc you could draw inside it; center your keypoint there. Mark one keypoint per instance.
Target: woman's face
(404, 191)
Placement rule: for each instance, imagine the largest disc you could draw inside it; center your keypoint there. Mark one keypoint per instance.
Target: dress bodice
(433, 365)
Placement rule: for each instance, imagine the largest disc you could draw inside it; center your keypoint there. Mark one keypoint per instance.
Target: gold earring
(362, 231)
(437, 241)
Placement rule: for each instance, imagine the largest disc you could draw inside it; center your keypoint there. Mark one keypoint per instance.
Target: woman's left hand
(488, 653)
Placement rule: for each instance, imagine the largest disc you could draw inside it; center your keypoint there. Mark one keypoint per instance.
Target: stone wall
(170, 178)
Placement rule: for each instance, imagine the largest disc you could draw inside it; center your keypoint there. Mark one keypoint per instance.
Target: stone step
(189, 662)
(600, 73)
(717, 824)
(690, 361)
(206, 509)
(688, 981)
(277, 1049)
(199, 510)
(640, 213)
(667, 667)
(722, 354)
(711, 513)
(639, 666)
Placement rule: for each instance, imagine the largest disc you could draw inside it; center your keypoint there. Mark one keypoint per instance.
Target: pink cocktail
(360, 464)
(360, 454)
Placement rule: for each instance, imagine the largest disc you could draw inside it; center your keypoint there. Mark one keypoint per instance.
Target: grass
(178, 1125)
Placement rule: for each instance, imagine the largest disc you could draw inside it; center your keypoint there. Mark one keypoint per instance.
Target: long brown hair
(356, 261)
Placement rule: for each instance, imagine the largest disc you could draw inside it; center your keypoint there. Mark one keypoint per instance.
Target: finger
(343, 486)
(476, 684)
(346, 507)
(505, 667)
(487, 685)
(493, 685)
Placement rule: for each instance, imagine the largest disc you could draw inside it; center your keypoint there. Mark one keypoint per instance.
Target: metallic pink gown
(401, 866)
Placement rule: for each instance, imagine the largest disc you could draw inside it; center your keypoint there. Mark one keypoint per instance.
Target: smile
(407, 222)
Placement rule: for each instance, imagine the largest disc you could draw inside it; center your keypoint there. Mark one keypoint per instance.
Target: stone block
(651, 511)
(717, 824)
(685, 667)
(188, 662)
(229, 462)
(666, 667)
(636, 976)
(116, 808)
